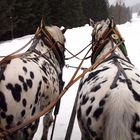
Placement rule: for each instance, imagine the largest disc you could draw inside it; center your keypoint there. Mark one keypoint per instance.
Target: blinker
(115, 37)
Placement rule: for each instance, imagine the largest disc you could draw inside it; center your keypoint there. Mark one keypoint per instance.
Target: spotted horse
(30, 81)
(108, 106)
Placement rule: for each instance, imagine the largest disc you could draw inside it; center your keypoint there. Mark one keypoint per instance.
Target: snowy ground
(76, 39)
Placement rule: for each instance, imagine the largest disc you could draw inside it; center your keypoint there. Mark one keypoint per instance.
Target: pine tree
(40, 9)
(22, 17)
(6, 26)
(96, 9)
(68, 13)
(22, 14)
(120, 12)
(72, 13)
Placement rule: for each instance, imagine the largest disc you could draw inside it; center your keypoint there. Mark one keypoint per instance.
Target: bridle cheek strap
(104, 39)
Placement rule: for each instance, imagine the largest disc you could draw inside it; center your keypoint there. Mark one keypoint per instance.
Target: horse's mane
(56, 33)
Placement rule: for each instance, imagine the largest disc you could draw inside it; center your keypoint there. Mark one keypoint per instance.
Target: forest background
(19, 18)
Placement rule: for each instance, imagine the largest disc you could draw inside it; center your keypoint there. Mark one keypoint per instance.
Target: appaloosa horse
(108, 105)
(30, 81)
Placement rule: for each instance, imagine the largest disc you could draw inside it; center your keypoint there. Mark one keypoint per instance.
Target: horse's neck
(107, 48)
(48, 55)
(41, 47)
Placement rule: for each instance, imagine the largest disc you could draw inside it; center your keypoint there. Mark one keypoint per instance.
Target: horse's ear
(108, 21)
(42, 23)
(63, 30)
(112, 22)
(92, 23)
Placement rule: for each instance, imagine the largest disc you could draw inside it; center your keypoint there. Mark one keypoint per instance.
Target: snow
(76, 40)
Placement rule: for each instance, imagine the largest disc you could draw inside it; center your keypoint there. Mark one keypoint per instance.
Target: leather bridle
(43, 33)
(108, 35)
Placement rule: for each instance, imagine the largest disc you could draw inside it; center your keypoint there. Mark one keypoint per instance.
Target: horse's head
(53, 38)
(58, 36)
(99, 28)
(105, 36)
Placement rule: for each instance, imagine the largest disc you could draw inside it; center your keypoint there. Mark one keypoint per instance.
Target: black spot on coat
(94, 74)
(89, 121)
(88, 110)
(96, 88)
(84, 100)
(21, 78)
(9, 119)
(29, 83)
(3, 104)
(138, 75)
(24, 102)
(102, 102)
(3, 115)
(2, 77)
(15, 90)
(135, 128)
(45, 79)
(33, 111)
(128, 69)
(79, 113)
(22, 113)
(24, 61)
(25, 87)
(97, 113)
(25, 69)
(92, 99)
(32, 75)
(135, 95)
(37, 93)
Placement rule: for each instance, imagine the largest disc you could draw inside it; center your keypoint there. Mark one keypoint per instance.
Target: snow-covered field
(76, 39)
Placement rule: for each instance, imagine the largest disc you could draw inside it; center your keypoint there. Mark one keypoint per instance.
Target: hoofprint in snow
(77, 39)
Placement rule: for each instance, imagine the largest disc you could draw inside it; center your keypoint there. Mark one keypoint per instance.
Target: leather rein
(48, 40)
(74, 79)
(52, 44)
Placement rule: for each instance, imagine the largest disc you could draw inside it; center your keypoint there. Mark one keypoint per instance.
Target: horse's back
(108, 101)
(25, 90)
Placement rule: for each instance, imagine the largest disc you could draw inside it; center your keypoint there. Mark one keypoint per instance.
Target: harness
(99, 45)
(70, 83)
(53, 45)
(49, 41)
(43, 33)
(113, 35)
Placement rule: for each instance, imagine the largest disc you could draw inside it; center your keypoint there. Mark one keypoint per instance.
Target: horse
(30, 81)
(108, 106)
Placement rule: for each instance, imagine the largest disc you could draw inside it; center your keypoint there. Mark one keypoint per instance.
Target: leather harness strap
(49, 41)
(100, 46)
(104, 39)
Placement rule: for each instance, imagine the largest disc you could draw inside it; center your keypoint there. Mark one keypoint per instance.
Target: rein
(19, 49)
(48, 39)
(68, 66)
(75, 55)
(74, 79)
